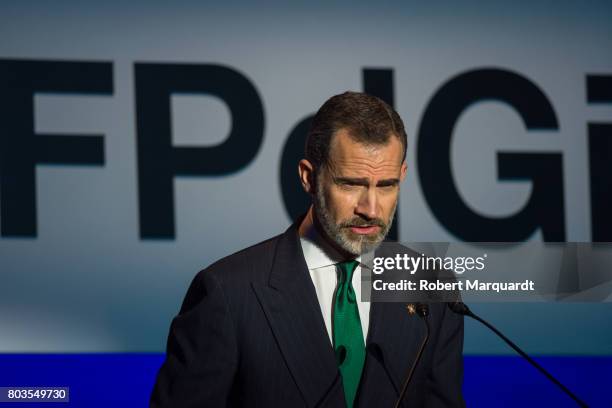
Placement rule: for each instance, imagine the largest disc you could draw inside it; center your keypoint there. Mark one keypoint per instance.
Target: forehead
(347, 155)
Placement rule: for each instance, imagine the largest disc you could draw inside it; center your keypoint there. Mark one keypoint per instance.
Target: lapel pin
(411, 308)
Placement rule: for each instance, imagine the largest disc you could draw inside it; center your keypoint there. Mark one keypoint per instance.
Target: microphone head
(422, 309)
(460, 308)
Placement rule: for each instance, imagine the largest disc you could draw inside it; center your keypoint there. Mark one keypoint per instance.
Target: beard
(341, 233)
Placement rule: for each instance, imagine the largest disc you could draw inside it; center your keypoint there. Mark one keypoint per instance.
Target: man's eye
(349, 186)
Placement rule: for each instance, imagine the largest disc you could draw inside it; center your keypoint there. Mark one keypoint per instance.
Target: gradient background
(88, 295)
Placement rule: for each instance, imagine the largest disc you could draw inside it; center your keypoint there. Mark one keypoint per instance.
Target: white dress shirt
(321, 260)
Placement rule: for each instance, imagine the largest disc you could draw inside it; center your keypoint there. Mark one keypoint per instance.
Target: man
(283, 324)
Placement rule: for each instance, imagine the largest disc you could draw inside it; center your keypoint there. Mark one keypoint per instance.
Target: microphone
(462, 309)
(422, 309)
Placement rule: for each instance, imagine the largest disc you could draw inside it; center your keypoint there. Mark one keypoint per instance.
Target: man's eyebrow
(388, 182)
(364, 181)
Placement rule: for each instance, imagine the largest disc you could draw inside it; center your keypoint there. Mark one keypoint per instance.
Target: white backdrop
(88, 282)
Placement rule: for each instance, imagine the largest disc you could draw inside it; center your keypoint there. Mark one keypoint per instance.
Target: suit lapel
(292, 309)
(394, 338)
(394, 335)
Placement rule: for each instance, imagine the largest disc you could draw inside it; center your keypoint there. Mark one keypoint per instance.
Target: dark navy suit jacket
(250, 333)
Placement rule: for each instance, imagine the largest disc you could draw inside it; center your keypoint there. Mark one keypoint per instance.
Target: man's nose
(368, 204)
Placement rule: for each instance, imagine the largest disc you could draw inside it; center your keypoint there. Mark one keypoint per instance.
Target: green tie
(348, 337)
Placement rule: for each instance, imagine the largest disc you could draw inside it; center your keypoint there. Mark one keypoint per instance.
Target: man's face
(357, 192)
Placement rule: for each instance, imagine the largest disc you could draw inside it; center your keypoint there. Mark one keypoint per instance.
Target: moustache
(360, 222)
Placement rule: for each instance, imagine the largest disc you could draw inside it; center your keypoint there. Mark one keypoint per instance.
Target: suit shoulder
(247, 265)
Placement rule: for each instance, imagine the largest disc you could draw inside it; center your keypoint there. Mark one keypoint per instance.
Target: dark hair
(368, 119)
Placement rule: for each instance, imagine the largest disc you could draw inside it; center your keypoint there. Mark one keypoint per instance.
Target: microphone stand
(422, 310)
(462, 309)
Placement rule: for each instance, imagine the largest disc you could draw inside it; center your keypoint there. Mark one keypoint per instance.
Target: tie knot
(347, 268)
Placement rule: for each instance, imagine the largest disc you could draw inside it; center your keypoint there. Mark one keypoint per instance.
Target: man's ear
(403, 171)
(306, 173)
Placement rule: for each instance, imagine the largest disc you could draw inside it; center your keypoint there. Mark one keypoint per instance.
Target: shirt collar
(319, 254)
